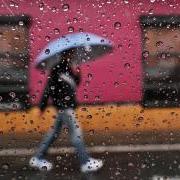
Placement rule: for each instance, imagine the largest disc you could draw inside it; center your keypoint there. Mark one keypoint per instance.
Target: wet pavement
(120, 166)
(92, 138)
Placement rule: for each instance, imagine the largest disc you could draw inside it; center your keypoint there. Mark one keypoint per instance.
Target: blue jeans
(67, 116)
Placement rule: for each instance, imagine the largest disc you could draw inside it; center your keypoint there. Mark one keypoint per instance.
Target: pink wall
(116, 77)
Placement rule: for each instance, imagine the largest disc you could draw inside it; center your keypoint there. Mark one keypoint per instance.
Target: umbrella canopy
(84, 47)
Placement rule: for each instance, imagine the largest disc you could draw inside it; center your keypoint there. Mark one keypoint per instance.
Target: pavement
(92, 138)
(139, 144)
(120, 166)
(127, 156)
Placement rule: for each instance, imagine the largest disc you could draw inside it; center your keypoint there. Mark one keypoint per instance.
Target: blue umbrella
(83, 46)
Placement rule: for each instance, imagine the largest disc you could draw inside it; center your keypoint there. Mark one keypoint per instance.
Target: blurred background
(129, 99)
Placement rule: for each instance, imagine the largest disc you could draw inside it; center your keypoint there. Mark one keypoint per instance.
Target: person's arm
(45, 97)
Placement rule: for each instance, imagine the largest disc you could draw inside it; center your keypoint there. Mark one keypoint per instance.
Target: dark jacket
(62, 92)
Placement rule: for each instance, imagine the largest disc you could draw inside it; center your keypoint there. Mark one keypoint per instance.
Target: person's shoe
(41, 164)
(91, 165)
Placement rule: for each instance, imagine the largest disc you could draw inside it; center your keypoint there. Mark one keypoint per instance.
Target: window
(161, 60)
(13, 62)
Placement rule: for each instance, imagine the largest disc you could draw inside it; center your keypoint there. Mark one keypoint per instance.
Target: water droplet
(89, 116)
(66, 130)
(58, 158)
(106, 128)
(12, 94)
(145, 54)
(140, 118)
(56, 31)
(81, 30)
(15, 106)
(91, 132)
(163, 55)
(97, 98)
(12, 4)
(90, 76)
(130, 164)
(130, 45)
(31, 121)
(102, 40)
(85, 96)
(52, 87)
(159, 43)
(8, 76)
(44, 168)
(108, 114)
(47, 51)
(126, 1)
(13, 28)
(21, 23)
(83, 109)
(68, 21)
(67, 98)
(146, 39)
(71, 29)
(152, 1)
(41, 6)
(17, 37)
(127, 65)
(151, 11)
(53, 9)
(75, 20)
(109, 2)
(5, 166)
(47, 38)
(65, 7)
(87, 83)
(117, 25)
(88, 48)
(116, 83)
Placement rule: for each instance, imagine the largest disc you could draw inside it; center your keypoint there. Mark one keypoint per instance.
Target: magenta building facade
(116, 77)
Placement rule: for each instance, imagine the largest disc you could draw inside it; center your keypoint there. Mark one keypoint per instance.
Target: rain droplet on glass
(90, 76)
(47, 51)
(65, 7)
(56, 31)
(21, 23)
(12, 94)
(127, 65)
(145, 54)
(47, 38)
(117, 25)
(159, 43)
(71, 29)
(41, 6)
(17, 37)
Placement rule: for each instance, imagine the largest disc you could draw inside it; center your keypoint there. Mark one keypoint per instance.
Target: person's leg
(38, 160)
(87, 163)
(50, 137)
(76, 136)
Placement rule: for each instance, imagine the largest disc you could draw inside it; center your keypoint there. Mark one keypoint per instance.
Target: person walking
(61, 87)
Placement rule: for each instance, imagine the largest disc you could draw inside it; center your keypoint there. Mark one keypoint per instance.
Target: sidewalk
(32, 140)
